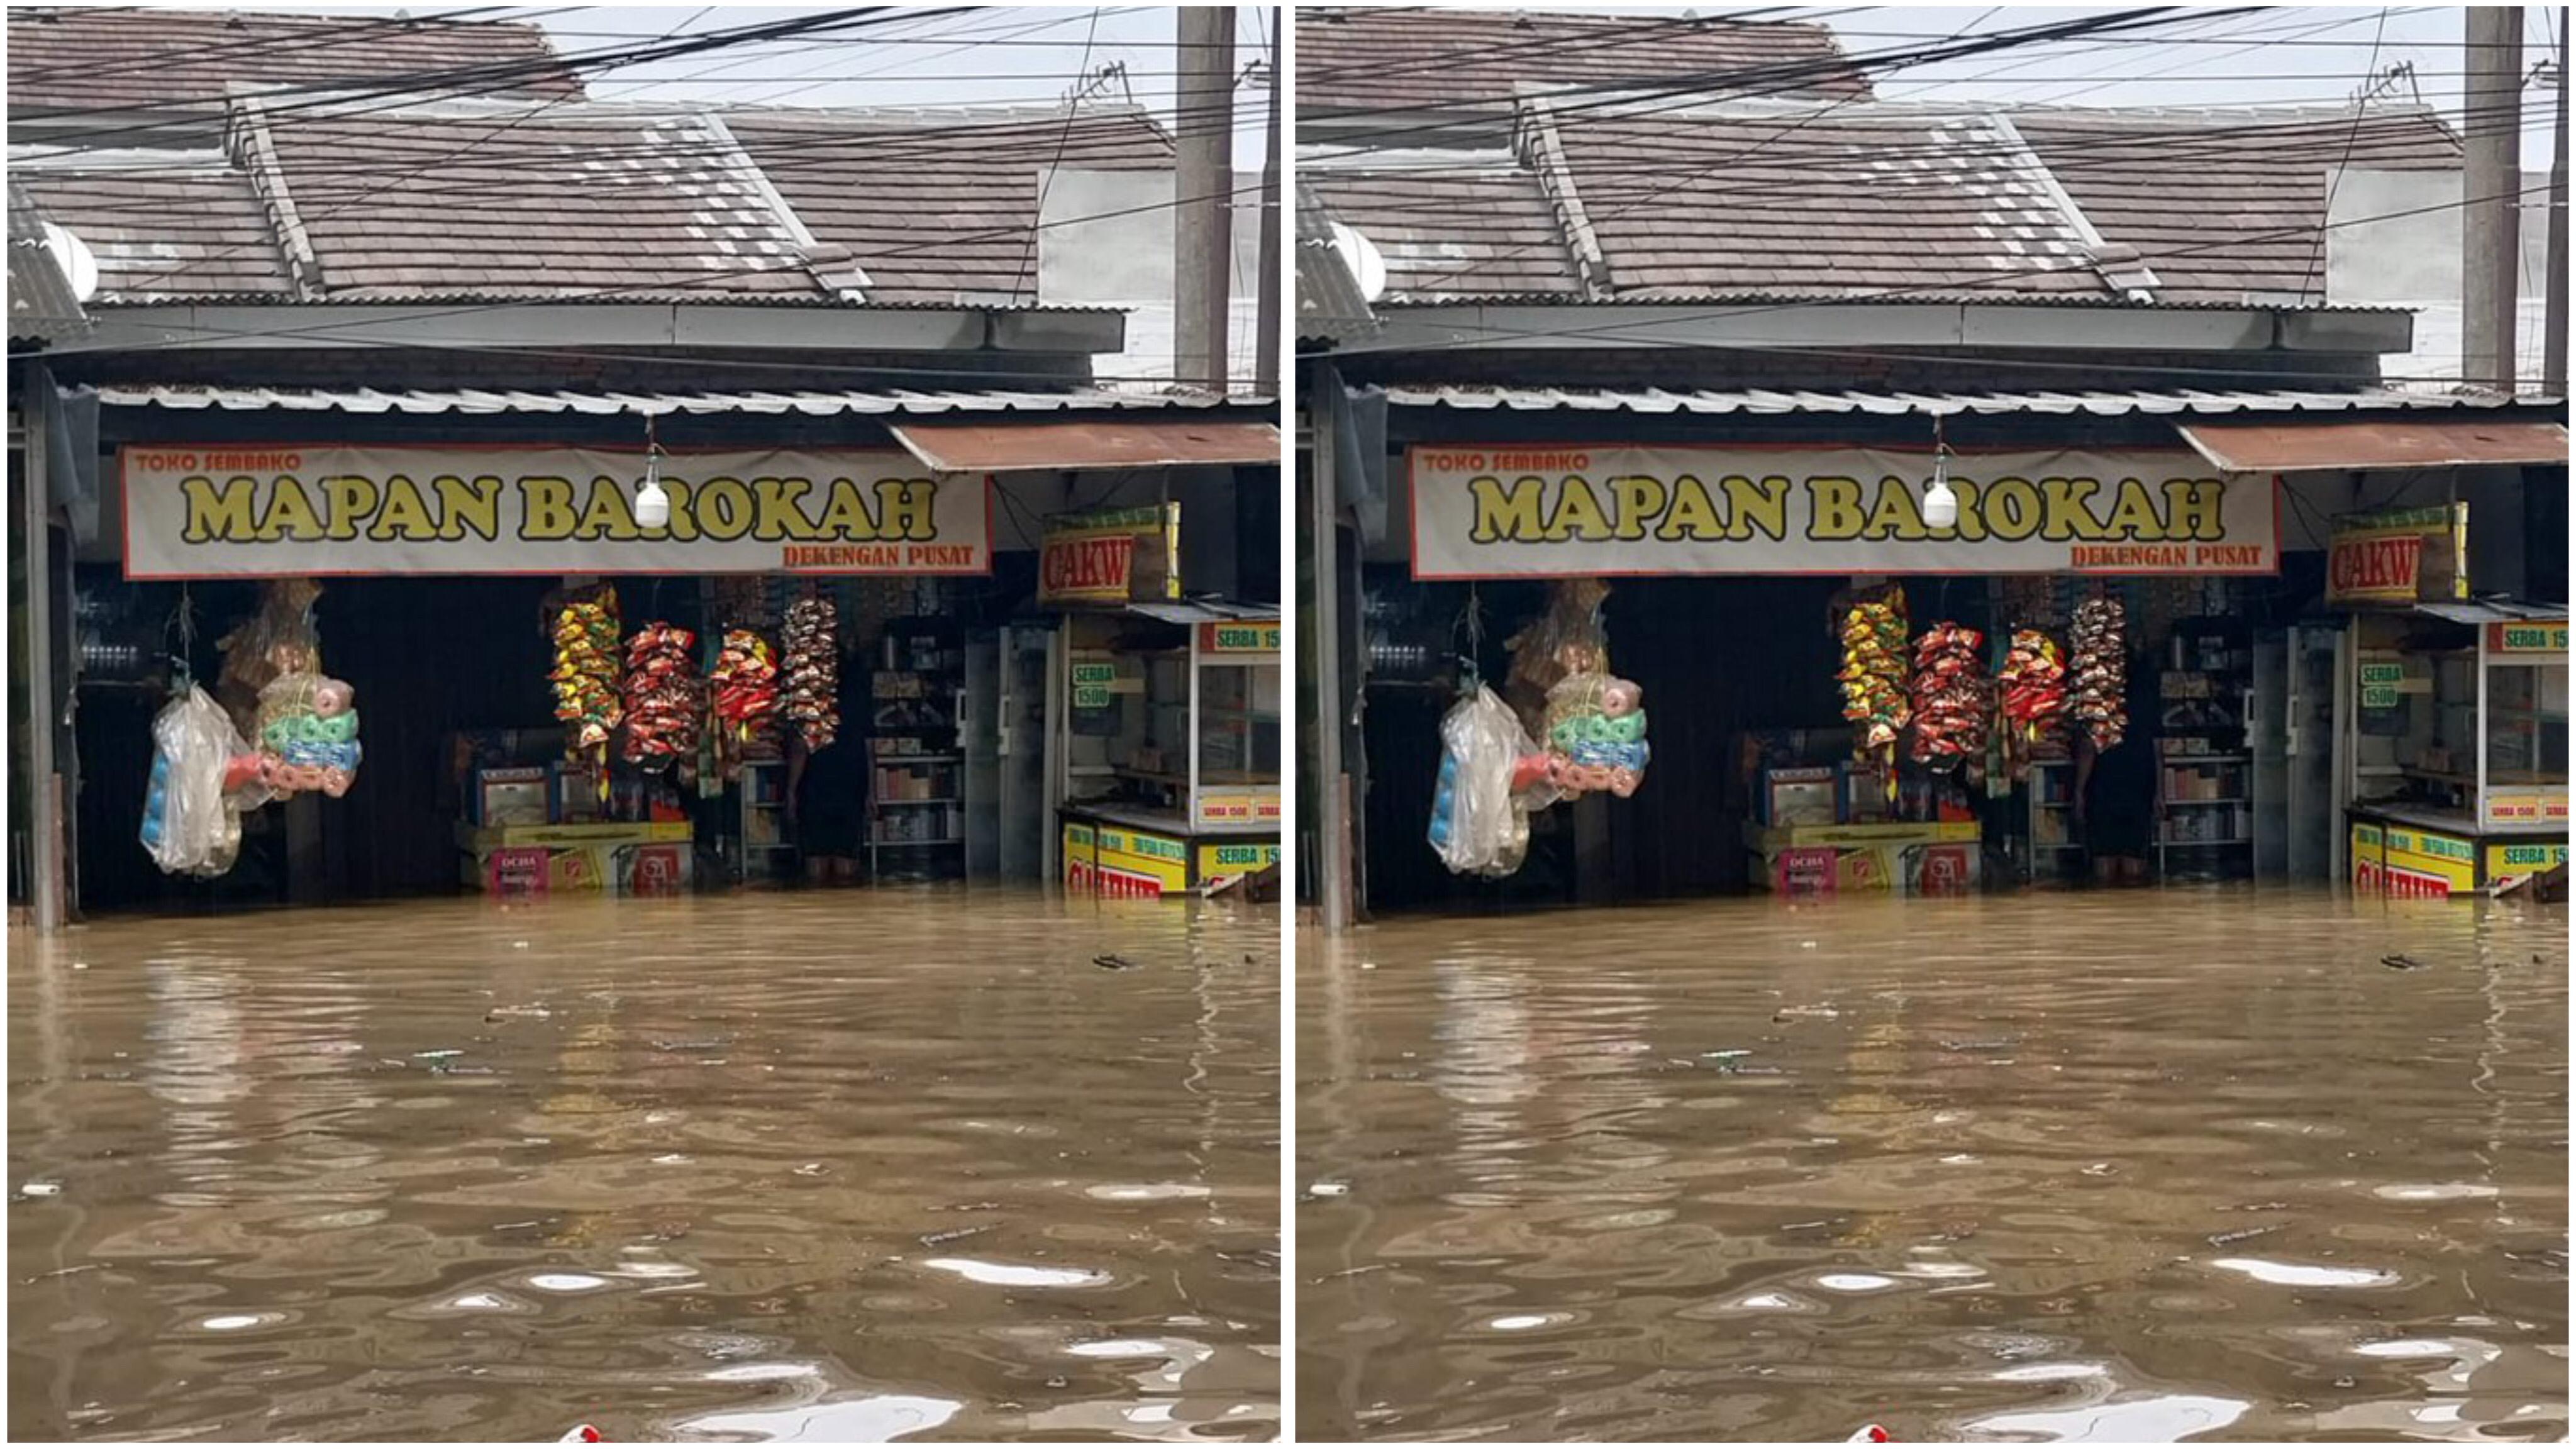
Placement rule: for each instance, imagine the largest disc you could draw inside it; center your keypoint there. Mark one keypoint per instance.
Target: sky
(1030, 54)
(2310, 54)
(1027, 55)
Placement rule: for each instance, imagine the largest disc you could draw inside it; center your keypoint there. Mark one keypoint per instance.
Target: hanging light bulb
(1940, 503)
(652, 501)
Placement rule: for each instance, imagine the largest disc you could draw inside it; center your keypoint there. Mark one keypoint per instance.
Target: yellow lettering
(781, 515)
(724, 509)
(1693, 515)
(1578, 514)
(2069, 511)
(609, 516)
(1637, 498)
(1972, 523)
(1506, 515)
(2134, 515)
(1837, 514)
(2194, 508)
(2012, 509)
(548, 514)
(471, 506)
(219, 515)
(1757, 506)
(348, 499)
(406, 514)
(845, 514)
(291, 515)
(684, 522)
(1897, 515)
(904, 509)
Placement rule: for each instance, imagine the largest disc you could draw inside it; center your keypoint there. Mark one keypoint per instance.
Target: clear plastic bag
(1479, 823)
(191, 821)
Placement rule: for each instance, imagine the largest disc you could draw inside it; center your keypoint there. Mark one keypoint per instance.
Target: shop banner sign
(2540, 636)
(1249, 637)
(1111, 556)
(1536, 512)
(214, 511)
(2402, 556)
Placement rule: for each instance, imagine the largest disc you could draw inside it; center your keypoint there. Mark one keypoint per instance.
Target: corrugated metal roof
(2098, 404)
(810, 404)
(950, 446)
(2337, 445)
(42, 303)
(1330, 303)
(2495, 609)
(1207, 609)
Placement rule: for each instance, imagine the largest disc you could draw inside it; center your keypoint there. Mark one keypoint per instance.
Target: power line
(1047, 184)
(2335, 182)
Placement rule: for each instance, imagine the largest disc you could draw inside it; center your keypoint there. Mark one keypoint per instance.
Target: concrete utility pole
(2490, 229)
(2553, 342)
(1203, 242)
(1265, 357)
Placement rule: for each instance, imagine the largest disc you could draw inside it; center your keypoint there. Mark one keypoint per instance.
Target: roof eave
(229, 326)
(1821, 322)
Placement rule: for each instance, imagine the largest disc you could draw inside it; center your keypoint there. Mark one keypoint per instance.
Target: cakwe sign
(226, 510)
(1518, 511)
(1111, 556)
(2404, 556)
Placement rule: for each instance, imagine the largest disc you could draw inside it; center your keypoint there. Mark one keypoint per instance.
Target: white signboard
(218, 510)
(1536, 511)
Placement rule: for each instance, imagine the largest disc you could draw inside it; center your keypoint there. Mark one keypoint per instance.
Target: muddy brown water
(833, 1166)
(2109, 1167)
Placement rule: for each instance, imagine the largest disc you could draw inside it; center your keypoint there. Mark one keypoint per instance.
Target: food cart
(1169, 725)
(2459, 738)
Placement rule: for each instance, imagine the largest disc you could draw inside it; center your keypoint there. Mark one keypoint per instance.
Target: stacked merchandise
(585, 678)
(1873, 679)
(308, 735)
(2032, 699)
(1951, 701)
(2100, 686)
(662, 695)
(811, 680)
(744, 699)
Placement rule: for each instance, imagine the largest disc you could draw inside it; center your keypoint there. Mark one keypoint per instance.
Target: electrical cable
(2334, 182)
(1046, 184)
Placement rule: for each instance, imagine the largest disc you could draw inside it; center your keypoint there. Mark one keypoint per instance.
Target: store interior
(517, 736)
(1759, 780)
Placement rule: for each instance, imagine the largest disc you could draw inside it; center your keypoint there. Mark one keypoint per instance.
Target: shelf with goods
(2055, 843)
(2204, 770)
(916, 771)
(764, 831)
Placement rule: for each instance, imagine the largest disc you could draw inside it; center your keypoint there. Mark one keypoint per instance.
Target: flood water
(2076, 1166)
(835, 1166)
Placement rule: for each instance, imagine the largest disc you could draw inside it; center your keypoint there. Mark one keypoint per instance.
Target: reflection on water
(838, 1167)
(2055, 1167)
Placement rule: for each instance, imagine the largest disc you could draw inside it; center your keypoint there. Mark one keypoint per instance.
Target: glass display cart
(2458, 733)
(1169, 727)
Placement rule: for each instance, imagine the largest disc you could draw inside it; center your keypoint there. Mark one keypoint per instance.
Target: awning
(1126, 442)
(2495, 609)
(1204, 610)
(2349, 444)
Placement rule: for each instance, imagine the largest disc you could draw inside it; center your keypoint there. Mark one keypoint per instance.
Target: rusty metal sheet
(2351, 443)
(1129, 442)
